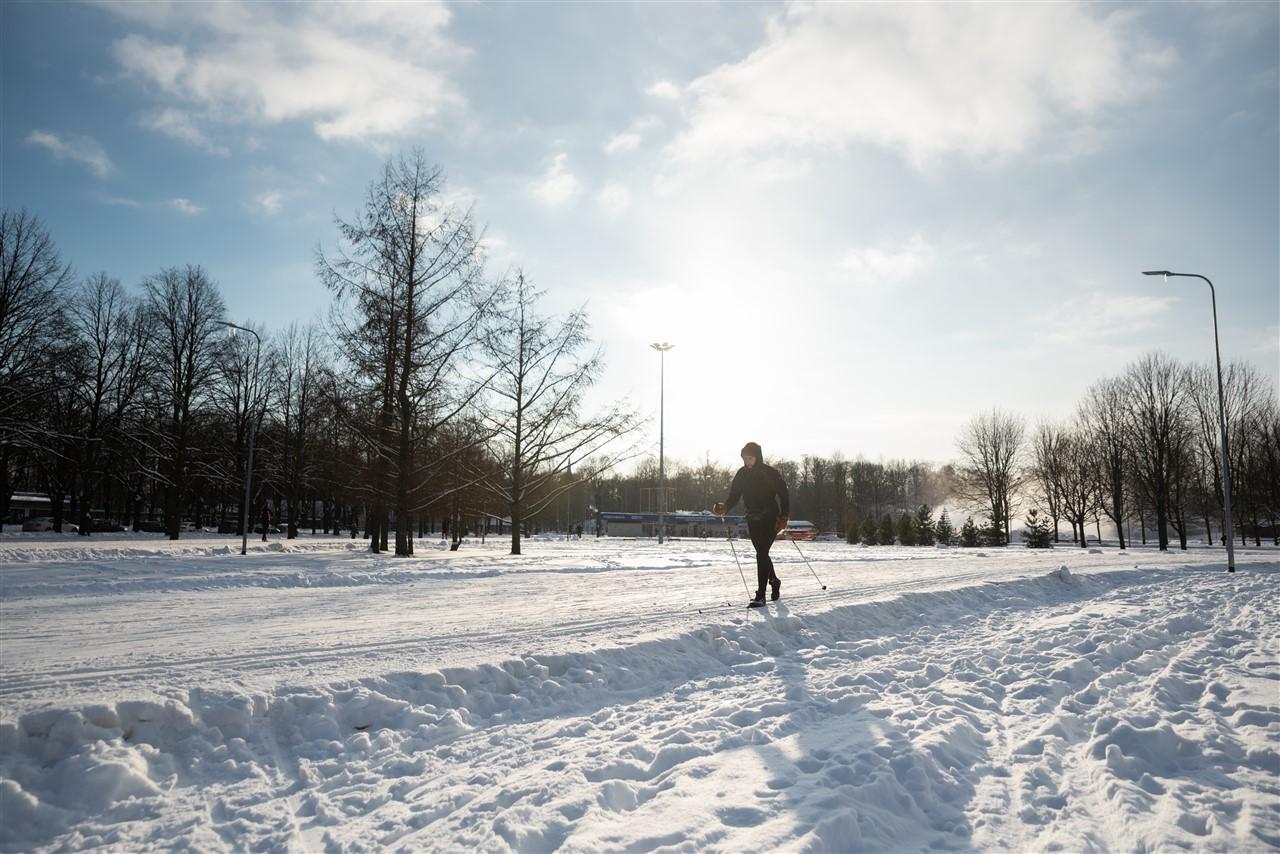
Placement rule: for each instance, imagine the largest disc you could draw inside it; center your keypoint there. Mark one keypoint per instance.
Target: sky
(859, 224)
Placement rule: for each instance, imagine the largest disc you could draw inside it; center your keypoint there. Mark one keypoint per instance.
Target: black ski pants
(762, 533)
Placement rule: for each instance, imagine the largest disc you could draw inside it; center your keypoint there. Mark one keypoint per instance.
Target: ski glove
(781, 523)
(719, 508)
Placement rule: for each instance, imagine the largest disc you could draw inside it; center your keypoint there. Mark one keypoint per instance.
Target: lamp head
(1164, 273)
(662, 347)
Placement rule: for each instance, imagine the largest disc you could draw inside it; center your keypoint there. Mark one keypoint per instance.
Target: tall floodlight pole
(1229, 533)
(662, 349)
(253, 422)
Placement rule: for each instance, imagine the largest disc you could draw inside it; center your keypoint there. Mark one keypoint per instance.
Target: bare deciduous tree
(1047, 461)
(107, 379)
(536, 418)
(411, 269)
(33, 279)
(302, 375)
(989, 474)
(1102, 414)
(183, 310)
(1079, 480)
(1155, 390)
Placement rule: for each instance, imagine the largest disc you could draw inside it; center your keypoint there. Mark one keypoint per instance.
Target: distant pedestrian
(764, 493)
(266, 520)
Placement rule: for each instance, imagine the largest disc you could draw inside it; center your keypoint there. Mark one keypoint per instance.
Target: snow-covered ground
(614, 695)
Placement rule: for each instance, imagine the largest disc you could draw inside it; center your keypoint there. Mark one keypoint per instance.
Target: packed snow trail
(1017, 706)
(157, 624)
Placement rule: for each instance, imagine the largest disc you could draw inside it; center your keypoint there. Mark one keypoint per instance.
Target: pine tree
(944, 532)
(1038, 533)
(886, 535)
(924, 526)
(969, 533)
(870, 532)
(852, 531)
(991, 534)
(907, 529)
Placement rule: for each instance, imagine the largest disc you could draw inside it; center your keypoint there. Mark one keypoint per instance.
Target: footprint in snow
(741, 816)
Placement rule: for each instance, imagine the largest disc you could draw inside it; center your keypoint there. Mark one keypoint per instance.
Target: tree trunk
(55, 508)
(74, 514)
(1117, 508)
(6, 483)
(517, 522)
(173, 492)
(85, 514)
(403, 531)
(1162, 524)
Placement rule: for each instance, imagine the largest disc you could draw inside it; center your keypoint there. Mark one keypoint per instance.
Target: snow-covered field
(614, 695)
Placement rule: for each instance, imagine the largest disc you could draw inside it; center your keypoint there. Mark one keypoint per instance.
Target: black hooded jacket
(761, 489)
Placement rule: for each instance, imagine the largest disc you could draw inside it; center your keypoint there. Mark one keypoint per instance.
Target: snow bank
(109, 547)
(1133, 709)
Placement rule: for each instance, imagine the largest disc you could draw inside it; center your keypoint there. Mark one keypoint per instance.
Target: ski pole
(806, 561)
(729, 536)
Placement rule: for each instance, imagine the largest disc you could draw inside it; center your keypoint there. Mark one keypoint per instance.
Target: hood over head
(754, 450)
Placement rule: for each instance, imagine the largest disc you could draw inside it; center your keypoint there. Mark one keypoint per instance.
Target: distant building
(28, 505)
(679, 523)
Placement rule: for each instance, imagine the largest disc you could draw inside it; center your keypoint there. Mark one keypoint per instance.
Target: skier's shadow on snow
(850, 775)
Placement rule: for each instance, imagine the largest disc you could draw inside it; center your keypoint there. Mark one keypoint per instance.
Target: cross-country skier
(764, 493)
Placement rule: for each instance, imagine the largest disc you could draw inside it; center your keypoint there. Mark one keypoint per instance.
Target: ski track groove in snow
(981, 701)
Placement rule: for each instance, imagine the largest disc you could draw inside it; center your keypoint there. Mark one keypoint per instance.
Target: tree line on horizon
(1141, 454)
(433, 395)
(436, 396)
(1142, 449)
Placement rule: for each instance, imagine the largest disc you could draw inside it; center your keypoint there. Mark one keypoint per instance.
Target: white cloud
(180, 125)
(626, 141)
(354, 70)
(614, 198)
(1104, 315)
(982, 80)
(558, 185)
(663, 89)
(629, 139)
(80, 149)
(887, 266)
(186, 207)
(269, 202)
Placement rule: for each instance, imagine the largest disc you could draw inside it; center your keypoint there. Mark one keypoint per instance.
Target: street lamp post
(253, 422)
(662, 349)
(1229, 533)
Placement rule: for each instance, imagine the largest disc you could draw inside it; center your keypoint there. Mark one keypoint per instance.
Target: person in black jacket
(764, 493)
